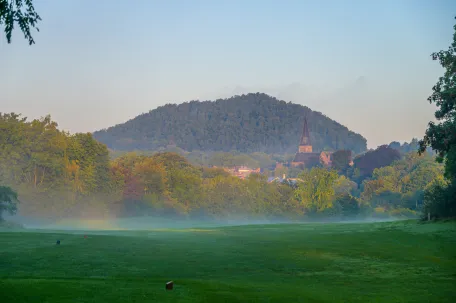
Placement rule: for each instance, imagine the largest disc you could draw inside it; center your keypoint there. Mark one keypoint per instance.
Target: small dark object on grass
(85, 236)
(169, 285)
(58, 242)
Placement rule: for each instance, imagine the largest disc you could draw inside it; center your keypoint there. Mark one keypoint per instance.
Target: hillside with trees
(247, 123)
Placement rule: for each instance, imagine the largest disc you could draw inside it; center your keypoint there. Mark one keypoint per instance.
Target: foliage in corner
(22, 12)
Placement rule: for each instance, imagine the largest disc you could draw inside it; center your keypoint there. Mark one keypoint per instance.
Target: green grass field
(374, 262)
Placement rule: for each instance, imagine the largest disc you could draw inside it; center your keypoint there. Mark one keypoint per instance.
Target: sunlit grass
(375, 262)
(92, 224)
(187, 230)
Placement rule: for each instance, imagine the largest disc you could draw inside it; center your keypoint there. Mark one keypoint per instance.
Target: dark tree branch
(21, 12)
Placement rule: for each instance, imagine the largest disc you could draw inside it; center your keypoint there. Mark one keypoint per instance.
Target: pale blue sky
(365, 64)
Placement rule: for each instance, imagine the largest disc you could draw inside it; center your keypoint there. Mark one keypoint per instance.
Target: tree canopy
(21, 12)
(441, 136)
(365, 164)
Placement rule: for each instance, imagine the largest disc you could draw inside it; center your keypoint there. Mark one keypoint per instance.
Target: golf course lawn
(401, 261)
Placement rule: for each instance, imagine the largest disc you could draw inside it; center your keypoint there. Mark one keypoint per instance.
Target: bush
(350, 206)
(8, 201)
(439, 200)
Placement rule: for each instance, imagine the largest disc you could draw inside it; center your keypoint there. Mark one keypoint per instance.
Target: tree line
(56, 175)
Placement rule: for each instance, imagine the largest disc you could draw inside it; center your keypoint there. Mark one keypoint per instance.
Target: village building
(241, 172)
(306, 157)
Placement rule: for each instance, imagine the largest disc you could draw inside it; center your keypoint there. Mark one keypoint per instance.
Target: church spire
(305, 137)
(304, 144)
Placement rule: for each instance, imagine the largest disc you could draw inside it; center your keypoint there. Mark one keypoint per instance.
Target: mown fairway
(376, 262)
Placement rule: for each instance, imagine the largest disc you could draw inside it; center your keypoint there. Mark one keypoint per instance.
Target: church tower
(304, 145)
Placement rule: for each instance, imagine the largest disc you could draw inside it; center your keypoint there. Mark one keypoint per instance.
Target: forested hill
(247, 123)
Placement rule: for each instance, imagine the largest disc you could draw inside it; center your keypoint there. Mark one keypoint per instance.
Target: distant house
(273, 179)
(241, 171)
(284, 179)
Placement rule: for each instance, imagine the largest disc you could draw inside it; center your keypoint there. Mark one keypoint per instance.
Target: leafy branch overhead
(21, 12)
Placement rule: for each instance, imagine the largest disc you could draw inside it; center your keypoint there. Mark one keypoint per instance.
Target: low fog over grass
(149, 222)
